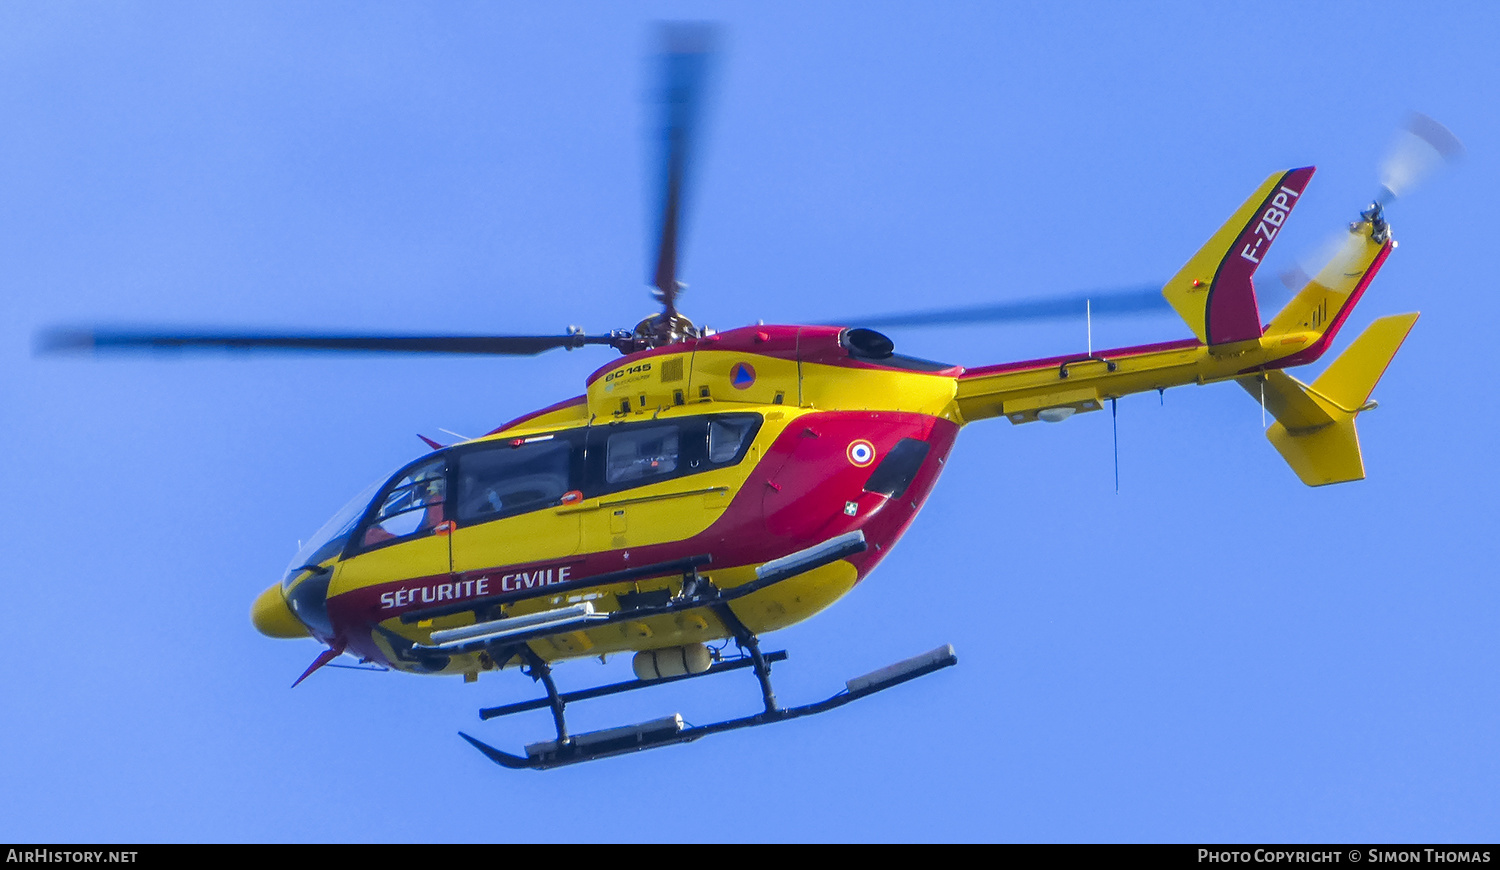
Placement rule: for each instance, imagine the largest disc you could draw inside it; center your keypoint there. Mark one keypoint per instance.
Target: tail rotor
(1421, 147)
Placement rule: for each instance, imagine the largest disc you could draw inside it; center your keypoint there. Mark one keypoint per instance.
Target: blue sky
(1214, 653)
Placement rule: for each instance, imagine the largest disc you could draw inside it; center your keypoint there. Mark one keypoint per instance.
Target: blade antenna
(1114, 415)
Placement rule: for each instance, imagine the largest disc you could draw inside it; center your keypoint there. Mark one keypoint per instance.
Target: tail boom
(1314, 429)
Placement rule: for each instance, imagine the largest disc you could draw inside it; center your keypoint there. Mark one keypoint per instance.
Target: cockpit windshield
(411, 504)
(330, 539)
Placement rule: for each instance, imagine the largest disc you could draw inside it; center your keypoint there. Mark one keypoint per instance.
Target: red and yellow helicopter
(720, 485)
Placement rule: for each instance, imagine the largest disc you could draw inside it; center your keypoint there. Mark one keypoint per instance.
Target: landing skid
(572, 749)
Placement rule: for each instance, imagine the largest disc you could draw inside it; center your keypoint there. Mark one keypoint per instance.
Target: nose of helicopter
(273, 618)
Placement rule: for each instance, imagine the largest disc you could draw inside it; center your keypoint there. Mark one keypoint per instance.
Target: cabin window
(504, 480)
(643, 453)
(412, 504)
(728, 434)
(627, 455)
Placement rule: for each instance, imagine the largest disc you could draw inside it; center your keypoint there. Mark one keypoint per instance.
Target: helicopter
(714, 487)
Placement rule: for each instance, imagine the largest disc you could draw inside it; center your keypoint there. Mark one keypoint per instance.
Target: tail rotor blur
(1421, 147)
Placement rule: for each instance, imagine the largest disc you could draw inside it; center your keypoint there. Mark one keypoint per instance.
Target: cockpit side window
(412, 504)
(504, 479)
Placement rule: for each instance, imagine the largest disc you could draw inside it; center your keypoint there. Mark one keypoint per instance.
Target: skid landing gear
(574, 748)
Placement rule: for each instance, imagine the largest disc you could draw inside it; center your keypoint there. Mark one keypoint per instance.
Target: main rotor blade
(1107, 303)
(688, 50)
(84, 340)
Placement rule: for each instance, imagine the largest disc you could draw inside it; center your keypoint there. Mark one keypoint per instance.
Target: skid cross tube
(747, 639)
(627, 686)
(542, 671)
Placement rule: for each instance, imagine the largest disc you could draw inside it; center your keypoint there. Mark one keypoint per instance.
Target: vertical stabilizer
(1213, 292)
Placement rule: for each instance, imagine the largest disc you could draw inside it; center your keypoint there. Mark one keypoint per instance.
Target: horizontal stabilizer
(1314, 429)
(1290, 403)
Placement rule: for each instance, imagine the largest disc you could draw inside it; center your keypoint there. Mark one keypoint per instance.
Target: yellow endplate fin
(1314, 430)
(1351, 378)
(1213, 292)
(1322, 456)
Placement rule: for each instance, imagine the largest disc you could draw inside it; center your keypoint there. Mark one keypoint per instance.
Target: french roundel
(861, 453)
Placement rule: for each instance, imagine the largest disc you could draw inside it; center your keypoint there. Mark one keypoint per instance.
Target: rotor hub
(662, 329)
